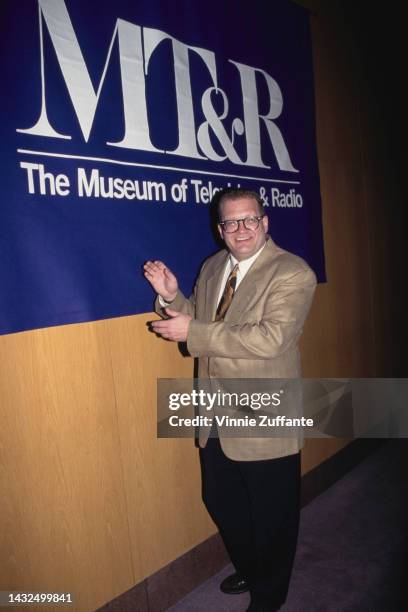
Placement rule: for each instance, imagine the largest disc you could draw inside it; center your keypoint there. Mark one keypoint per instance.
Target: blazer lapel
(241, 297)
(213, 286)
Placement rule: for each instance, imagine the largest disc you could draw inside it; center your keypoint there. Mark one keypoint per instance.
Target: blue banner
(121, 120)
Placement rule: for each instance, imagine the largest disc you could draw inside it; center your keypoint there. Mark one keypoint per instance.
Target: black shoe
(234, 585)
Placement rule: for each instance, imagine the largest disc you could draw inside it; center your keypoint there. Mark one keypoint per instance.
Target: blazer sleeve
(285, 311)
(180, 303)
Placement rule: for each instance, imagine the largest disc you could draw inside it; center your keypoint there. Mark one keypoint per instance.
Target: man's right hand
(161, 279)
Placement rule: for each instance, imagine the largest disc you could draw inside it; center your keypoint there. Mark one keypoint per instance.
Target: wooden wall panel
(339, 338)
(63, 514)
(94, 501)
(166, 516)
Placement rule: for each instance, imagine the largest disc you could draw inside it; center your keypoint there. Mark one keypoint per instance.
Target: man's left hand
(175, 328)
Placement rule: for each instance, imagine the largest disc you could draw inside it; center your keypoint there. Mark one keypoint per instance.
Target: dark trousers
(255, 505)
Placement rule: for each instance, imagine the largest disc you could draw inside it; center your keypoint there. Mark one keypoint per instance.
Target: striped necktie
(227, 295)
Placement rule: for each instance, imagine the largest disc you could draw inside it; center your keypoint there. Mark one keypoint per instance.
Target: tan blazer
(258, 337)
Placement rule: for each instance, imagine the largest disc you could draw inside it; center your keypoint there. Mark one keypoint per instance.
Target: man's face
(243, 243)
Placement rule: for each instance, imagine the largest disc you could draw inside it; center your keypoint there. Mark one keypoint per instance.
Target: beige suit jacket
(258, 337)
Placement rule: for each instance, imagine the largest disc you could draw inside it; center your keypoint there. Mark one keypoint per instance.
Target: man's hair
(235, 193)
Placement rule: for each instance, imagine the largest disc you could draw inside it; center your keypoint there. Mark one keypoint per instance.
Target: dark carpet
(352, 549)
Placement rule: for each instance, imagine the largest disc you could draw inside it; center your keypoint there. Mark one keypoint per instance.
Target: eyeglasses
(250, 223)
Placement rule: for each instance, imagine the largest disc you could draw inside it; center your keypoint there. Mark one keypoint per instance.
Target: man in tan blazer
(244, 320)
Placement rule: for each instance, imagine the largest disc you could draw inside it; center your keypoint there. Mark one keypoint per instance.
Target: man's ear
(265, 223)
(220, 231)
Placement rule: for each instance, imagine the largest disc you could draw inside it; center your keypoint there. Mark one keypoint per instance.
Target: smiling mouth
(244, 239)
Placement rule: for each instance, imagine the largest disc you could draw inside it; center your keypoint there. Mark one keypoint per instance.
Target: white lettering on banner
(252, 117)
(48, 183)
(186, 127)
(204, 193)
(92, 184)
(108, 187)
(286, 200)
(214, 122)
(136, 46)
